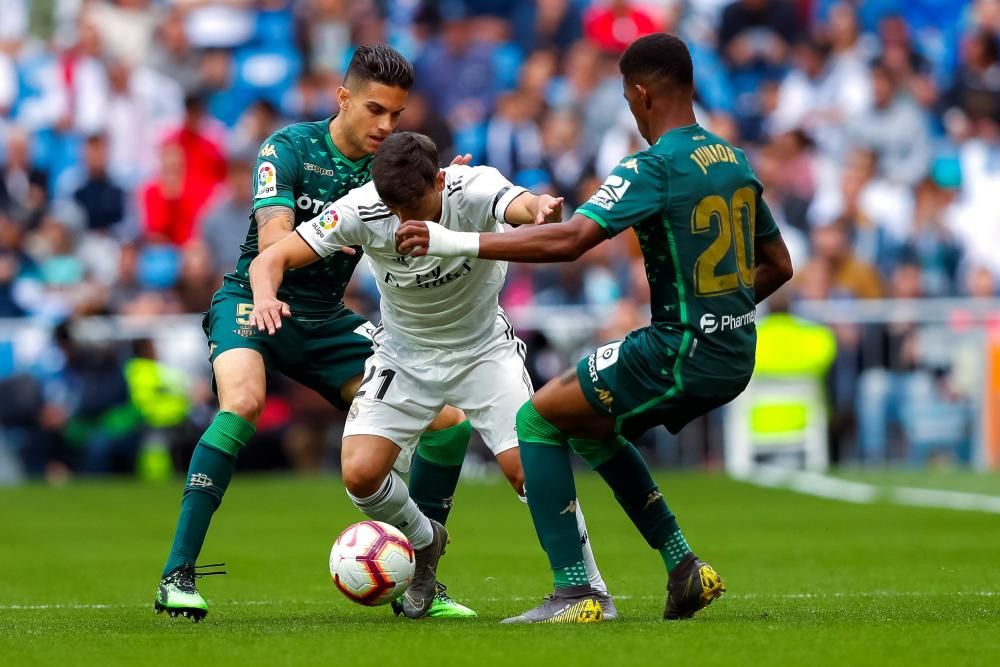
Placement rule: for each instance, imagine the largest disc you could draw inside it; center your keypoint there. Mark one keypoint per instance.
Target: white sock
(392, 504)
(593, 574)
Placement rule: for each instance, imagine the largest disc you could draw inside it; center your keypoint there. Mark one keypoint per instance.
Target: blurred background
(128, 131)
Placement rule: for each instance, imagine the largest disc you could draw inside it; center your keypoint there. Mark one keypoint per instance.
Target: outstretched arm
(532, 209)
(266, 272)
(546, 243)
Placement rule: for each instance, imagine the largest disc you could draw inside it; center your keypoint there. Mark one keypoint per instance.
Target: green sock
(571, 575)
(211, 469)
(436, 467)
(628, 476)
(548, 483)
(674, 551)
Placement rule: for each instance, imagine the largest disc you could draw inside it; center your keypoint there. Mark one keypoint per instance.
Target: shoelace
(208, 574)
(442, 594)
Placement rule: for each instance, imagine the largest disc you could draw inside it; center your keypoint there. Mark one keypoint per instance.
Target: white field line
(833, 488)
(518, 598)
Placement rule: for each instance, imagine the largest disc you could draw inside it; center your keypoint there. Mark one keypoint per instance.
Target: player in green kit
(323, 345)
(712, 251)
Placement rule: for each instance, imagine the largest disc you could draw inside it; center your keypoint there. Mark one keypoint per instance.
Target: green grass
(810, 581)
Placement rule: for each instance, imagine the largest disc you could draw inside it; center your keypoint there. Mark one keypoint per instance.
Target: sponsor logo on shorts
(267, 180)
(605, 397)
(611, 192)
(711, 323)
(352, 414)
(309, 166)
(607, 355)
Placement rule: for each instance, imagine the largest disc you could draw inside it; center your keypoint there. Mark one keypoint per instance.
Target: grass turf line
(810, 580)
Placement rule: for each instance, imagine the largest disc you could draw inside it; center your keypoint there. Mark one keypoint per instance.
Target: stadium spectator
(102, 199)
(612, 26)
(224, 227)
(24, 189)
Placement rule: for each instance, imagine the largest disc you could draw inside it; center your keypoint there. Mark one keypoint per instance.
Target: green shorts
(322, 353)
(636, 383)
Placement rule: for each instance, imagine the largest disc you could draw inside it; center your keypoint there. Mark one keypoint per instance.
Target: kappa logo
(632, 164)
(268, 151)
(571, 508)
(200, 480)
(709, 323)
(605, 397)
(652, 498)
(315, 168)
(267, 180)
(611, 192)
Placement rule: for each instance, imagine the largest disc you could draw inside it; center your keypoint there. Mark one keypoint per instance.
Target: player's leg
(238, 362)
(381, 433)
(561, 416)
(332, 361)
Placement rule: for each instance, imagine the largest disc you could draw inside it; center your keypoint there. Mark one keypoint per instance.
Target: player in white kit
(443, 339)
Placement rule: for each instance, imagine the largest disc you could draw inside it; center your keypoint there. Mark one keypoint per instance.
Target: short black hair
(658, 57)
(404, 168)
(380, 63)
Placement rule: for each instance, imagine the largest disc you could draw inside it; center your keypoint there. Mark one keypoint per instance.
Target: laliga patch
(329, 219)
(267, 181)
(611, 192)
(607, 355)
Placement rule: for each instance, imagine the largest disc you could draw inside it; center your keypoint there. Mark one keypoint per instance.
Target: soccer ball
(371, 563)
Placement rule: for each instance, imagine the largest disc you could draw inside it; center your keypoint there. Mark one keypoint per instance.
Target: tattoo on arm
(283, 219)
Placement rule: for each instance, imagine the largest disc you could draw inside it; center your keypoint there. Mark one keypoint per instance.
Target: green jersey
(696, 208)
(299, 167)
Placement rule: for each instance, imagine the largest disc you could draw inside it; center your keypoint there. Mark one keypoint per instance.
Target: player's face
(371, 112)
(637, 100)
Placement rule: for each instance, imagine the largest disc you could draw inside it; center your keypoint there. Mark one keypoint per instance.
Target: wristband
(448, 243)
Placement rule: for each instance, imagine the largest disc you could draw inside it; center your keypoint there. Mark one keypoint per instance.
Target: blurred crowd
(128, 131)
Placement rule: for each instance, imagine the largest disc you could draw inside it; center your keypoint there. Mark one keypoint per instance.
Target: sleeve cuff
(596, 218)
(273, 201)
(312, 243)
(502, 202)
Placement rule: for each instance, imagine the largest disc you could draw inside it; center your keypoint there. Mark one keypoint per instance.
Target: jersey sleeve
(339, 225)
(276, 173)
(486, 194)
(634, 191)
(765, 227)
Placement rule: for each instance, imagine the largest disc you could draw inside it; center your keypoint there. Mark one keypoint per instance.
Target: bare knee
(363, 469)
(245, 404)
(447, 418)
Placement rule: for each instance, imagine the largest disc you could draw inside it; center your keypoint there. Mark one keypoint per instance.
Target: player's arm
(266, 273)
(333, 230)
(531, 209)
(546, 243)
(772, 263)
(273, 224)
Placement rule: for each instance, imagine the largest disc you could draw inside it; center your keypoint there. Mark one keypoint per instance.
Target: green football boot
(178, 596)
(442, 606)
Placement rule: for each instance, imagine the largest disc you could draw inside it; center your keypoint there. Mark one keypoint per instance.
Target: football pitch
(810, 581)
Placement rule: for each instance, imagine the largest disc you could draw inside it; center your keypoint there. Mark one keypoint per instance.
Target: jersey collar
(683, 128)
(355, 165)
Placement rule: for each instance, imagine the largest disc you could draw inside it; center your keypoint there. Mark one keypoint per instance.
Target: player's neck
(339, 138)
(670, 119)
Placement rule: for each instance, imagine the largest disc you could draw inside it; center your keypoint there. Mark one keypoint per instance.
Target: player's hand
(550, 209)
(267, 313)
(461, 159)
(413, 238)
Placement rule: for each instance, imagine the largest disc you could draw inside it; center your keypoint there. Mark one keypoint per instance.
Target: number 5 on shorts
(387, 375)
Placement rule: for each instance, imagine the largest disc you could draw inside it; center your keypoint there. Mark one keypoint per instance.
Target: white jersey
(427, 302)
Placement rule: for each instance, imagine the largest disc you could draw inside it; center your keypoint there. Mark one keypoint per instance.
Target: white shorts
(404, 389)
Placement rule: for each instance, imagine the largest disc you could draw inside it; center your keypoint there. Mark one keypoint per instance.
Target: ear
(439, 181)
(644, 98)
(343, 97)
